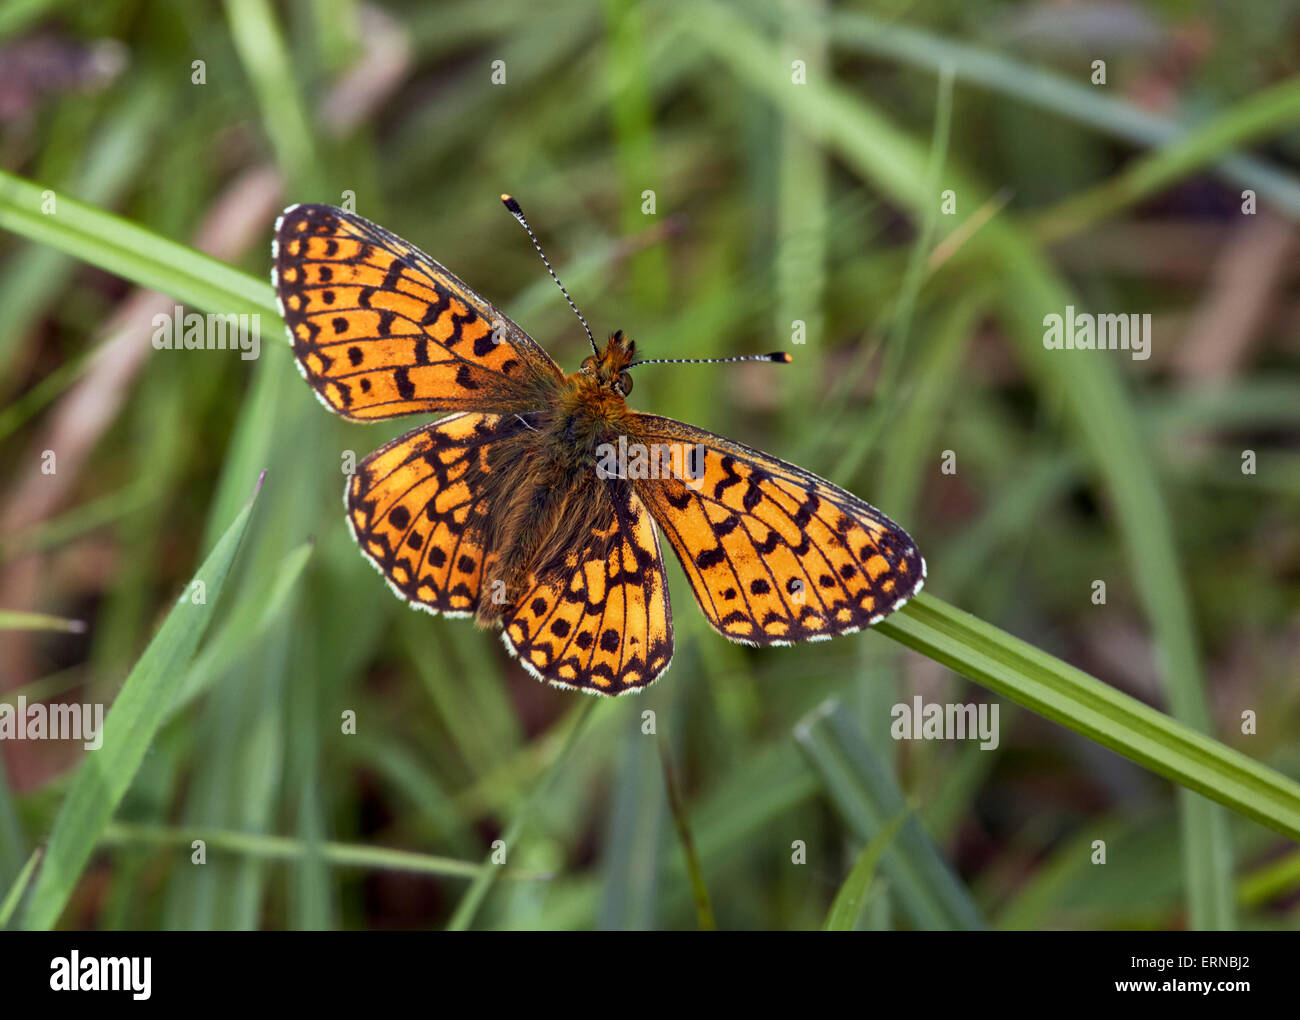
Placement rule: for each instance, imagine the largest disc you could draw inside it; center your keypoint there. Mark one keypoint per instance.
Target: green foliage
(774, 202)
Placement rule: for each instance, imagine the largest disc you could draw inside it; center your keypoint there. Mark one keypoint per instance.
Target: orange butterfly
(534, 506)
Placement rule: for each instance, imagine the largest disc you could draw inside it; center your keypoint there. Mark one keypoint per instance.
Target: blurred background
(897, 194)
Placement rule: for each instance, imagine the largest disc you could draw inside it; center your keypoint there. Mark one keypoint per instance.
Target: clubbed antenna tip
(513, 207)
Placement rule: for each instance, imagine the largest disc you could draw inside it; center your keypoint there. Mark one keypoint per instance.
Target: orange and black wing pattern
(773, 553)
(380, 329)
(416, 507)
(599, 620)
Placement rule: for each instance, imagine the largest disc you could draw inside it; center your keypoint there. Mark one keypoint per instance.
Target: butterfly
(536, 505)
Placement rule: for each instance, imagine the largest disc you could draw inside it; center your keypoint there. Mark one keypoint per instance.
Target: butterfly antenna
(518, 214)
(780, 356)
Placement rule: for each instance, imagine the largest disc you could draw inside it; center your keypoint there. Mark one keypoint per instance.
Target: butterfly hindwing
(417, 508)
(773, 553)
(379, 329)
(600, 621)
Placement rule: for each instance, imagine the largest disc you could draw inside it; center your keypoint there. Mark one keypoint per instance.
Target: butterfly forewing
(601, 622)
(379, 329)
(773, 553)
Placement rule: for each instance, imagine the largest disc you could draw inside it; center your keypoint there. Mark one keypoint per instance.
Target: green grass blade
(851, 900)
(14, 620)
(469, 905)
(803, 215)
(890, 384)
(1030, 908)
(1022, 83)
(703, 905)
(132, 252)
(13, 840)
(260, 44)
(1258, 116)
(1273, 880)
(1060, 692)
(79, 520)
(862, 788)
(27, 405)
(33, 277)
(256, 845)
(16, 890)
(248, 623)
(635, 853)
(138, 711)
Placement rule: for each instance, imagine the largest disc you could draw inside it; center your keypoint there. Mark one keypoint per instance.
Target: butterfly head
(610, 365)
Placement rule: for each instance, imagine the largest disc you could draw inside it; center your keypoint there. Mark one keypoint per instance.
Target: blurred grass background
(773, 202)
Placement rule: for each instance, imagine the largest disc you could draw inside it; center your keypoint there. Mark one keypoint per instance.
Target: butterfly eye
(624, 383)
(589, 364)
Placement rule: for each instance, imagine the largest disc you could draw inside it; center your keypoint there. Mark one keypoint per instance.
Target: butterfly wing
(773, 553)
(417, 507)
(379, 329)
(600, 621)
